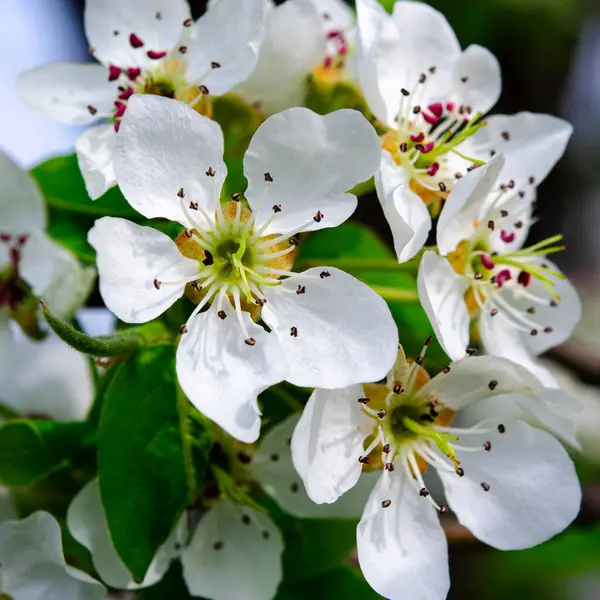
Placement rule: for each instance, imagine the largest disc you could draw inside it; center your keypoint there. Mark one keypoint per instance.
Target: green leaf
(63, 187)
(145, 458)
(70, 231)
(32, 450)
(353, 240)
(342, 582)
(126, 341)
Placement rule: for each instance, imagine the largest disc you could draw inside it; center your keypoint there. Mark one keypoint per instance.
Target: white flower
(87, 523)
(33, 565)
(143, 47)
(523, 303)
(431, 96)
(513, 486)
(300, 36)
(325, 328)
(31, 264)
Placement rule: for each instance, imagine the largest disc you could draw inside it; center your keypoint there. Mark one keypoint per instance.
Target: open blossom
(143, 47)
(325, 328)
(33, 565)
(513, 486)
(32, 266)
(302, 37)
(430, 96)
(523, 304)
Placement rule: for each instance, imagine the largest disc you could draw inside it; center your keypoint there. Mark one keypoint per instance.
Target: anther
(460, 472)
(209, 260)
(403, 147)
(187, 23)
(548, 330)
(485, 486)
(504, 213)
(531, 310)
(250, 342)
(381, 414)
(386, 503)
(506, 237)
(493, 312)
(158, 15)
(318, 217)
(389, 467)
(116, 32)
(294, 332)
(183, 329)
(274, 457)
(135, 41)
(157, 284)
(443, 509)
(181, 193)
(221, 314)
(478, 276)
(244, 458)
(432, 69)
(501, 428)
(519, 224)
(182, 49)
(446, 369)
(487, 262)
(196, 285)
(532, 180)
(471, 351)
(416, 110)
(246, 520)
(113, 73)
(491, 225)
(487, 446)
(324, 274)
(465, 79)
(423, 492)
(493, 384)
(405, 92)
(188, 233)
(505, 135)
(524, 278)
(194, 205)
(269, 177)
(203, 90)
(533, 332)
(442, 186)
(276, 208)
(92, 109)
(363, 460)
(419, 360)
(211, 172)
(218, 546)
(301, 289)
(386, 449)
(553, 303)
(422, 78)
(398, 389)
(364, 400)
(236, 196)
(215, 65)
(266, 535)
(260, 301)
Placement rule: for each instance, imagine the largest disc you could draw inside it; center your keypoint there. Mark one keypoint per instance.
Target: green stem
(395, 294)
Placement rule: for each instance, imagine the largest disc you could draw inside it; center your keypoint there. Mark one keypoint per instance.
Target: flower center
(12, 288)
(427, 138)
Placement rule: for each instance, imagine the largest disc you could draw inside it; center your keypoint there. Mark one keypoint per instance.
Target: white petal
(87, 523)
(222, 375)
(474, 378)
(55, 275)
(6, 345)
(235, 553)
(292, 46)
(466, 204)
(273, 469)
(441, 292)
(33, 565)
(328, 441)
(404, 210)
(335, 15)
(130, 258)
(482, 89)
(64, 91)
(533, 492)
(96, 150)
(531, 143)
(314, 160)
(163, 146)
(49, 380)
(22, 207)
(157, 23)
(345, 331)
(232, 42)
(402, 549)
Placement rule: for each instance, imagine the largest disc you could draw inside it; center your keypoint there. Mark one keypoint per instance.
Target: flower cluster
(225, 178)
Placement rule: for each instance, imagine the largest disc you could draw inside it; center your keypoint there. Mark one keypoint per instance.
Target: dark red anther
(418, 138)
(507, 237)
(503, 277)
(126, 94)
(135, 41)
(156, 54)
(133, 73)
(487, 262)
(328, 62)
(437, 109)
(333, 34)
(117, 126)
(433, 169)
(450, 106)
(120, 109)
(524, 278)
(22, 239)
(5, 237)
(113, 73)
(432, 120)
(428, 147)
(15, 257)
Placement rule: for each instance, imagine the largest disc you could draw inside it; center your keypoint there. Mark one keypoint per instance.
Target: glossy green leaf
(145, 456)
(32, 450)
(70, 231)
(64, 189)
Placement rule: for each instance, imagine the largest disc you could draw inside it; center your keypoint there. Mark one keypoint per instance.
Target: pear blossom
(33, 565)
(32, 265)
(430, 96)
(512, 485)
(143, 47)
(523, 304)
(302, 37)
(325, 328)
